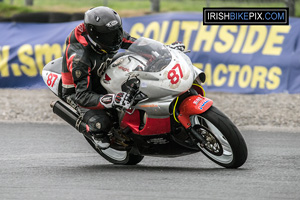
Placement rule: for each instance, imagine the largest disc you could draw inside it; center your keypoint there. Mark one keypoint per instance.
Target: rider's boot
(101, 140)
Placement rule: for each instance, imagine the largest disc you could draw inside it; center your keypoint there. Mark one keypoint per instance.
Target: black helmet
(104, 27)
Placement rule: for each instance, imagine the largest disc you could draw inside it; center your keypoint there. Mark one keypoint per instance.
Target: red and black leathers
(79, 69)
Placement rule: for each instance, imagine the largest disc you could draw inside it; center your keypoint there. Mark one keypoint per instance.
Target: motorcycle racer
(90, 48)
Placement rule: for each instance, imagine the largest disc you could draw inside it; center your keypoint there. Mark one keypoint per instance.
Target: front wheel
(225, 144)
(116, 156)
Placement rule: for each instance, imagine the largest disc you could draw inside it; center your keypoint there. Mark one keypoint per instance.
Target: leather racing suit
(82, 69)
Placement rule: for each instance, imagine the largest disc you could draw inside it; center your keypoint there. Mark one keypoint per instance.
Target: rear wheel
(225, 146)
(116, 156)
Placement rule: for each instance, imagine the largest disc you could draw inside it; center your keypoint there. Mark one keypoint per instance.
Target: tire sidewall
(232, 135)
(130, 159)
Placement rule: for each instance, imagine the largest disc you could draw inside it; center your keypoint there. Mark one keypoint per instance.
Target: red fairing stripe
(153, 126)
(133, 121)
(156, 126)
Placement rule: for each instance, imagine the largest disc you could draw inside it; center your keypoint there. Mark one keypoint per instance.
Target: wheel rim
(213, 145)
(115, 154)
(227, 154)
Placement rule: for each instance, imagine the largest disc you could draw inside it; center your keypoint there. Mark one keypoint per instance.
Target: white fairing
(52, 75)
(51, 79)
(172, 75)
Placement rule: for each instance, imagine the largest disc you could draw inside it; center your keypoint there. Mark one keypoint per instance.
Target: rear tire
(116, 156)
(228, 139)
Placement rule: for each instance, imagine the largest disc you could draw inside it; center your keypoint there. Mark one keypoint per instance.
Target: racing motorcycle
(169, 114)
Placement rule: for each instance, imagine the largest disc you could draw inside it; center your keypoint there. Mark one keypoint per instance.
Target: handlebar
(131, 87)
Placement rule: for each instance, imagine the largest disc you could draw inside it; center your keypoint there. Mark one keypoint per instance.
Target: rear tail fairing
(52, 76)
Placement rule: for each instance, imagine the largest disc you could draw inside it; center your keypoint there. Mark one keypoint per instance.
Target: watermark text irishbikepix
(245, 16)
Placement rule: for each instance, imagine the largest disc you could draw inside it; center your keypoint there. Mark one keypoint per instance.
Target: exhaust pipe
(68, 115)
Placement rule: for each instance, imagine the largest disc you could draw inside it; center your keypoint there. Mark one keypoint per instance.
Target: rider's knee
(97, 121)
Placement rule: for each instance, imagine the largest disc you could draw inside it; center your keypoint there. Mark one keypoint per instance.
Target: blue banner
(237, 59)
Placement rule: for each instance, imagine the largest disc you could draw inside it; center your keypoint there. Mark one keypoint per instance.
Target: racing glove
(120, 100)
(178, 46)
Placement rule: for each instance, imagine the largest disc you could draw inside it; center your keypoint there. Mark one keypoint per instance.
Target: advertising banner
(255, 59)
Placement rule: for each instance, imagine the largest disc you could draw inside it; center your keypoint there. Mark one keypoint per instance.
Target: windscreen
(156, 54)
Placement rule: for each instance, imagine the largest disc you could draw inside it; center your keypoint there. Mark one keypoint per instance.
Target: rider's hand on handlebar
(122, 100)
(178, 46)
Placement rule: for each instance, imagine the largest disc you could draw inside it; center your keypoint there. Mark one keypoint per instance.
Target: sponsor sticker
(106, 79)
(111, 23)
(196, 101)
(203, 104)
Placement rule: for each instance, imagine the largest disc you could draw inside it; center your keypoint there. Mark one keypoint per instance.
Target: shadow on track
(146, 168)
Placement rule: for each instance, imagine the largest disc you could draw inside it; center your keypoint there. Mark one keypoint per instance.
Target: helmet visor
(110, 41)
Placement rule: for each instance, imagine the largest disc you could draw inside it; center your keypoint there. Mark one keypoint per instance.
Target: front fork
(192, 105)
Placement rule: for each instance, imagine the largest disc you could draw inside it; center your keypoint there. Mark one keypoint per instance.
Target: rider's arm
(84, 96)
(127, 40)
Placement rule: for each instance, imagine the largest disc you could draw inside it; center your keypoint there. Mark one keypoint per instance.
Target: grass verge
(126, 8)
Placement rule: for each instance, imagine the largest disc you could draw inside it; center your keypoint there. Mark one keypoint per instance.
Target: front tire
(116, 156)
(228, 147)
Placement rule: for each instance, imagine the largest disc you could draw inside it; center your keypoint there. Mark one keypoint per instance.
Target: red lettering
(51, 76)
(173, 76)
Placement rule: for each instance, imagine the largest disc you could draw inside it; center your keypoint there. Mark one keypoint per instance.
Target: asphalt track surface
(48, 161)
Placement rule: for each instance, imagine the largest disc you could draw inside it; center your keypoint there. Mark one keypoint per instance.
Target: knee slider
(97, 122)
